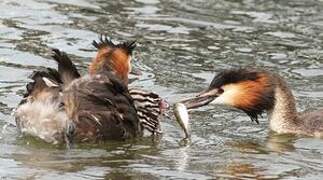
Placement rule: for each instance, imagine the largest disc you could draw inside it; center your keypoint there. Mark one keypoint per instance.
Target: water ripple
(181, 46)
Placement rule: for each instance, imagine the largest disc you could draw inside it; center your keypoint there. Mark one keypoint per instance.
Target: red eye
(220, 90)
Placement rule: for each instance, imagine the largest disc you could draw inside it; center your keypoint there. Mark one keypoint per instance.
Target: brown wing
(66, 68)
(43, 82)
(51, 80)
(101, 109)
(41, 113)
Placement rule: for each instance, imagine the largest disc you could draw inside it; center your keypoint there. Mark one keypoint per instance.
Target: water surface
(181, 45)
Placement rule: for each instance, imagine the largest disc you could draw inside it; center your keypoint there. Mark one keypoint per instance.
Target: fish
(182, 118)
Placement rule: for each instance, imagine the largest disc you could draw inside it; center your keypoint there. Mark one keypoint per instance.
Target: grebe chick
(258, 91)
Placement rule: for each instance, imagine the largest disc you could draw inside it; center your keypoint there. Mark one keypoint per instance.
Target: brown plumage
(114, 57)
(41, 113)
(101, 108)
(91, 108)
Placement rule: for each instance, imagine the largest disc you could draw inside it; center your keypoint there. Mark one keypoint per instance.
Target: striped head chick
(249, 90)
(113, 57)
(150, 108)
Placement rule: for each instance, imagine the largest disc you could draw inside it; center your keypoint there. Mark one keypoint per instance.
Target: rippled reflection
(181, 45)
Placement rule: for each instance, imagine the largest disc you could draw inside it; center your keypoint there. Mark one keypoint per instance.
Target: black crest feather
(105, 41)
(233, 76)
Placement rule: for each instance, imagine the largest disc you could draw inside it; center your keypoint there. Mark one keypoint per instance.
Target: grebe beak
(203, 98)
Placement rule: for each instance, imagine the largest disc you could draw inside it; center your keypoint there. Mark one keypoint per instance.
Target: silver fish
(182, 118)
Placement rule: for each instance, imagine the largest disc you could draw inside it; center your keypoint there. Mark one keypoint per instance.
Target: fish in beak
(203, 98)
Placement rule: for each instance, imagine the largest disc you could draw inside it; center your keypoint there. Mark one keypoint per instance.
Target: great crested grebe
(61, 106)
(257, 91)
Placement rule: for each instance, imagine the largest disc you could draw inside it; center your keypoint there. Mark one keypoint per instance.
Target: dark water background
(182, 44)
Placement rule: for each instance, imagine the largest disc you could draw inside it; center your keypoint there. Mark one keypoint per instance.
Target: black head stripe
(105, 41)
(233, 76)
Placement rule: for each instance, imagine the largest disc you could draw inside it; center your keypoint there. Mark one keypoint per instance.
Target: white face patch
(228, 96)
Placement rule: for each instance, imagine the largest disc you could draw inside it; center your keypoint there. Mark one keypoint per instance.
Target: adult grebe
(257, 91)
(63, 106)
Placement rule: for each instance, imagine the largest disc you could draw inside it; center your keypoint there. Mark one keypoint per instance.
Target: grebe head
(248, 90)
(114, 57)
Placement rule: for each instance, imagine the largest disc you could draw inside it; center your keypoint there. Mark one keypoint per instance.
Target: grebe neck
(283, 116)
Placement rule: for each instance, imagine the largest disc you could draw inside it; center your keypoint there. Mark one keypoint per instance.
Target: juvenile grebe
(63, 106)
(258, 91)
